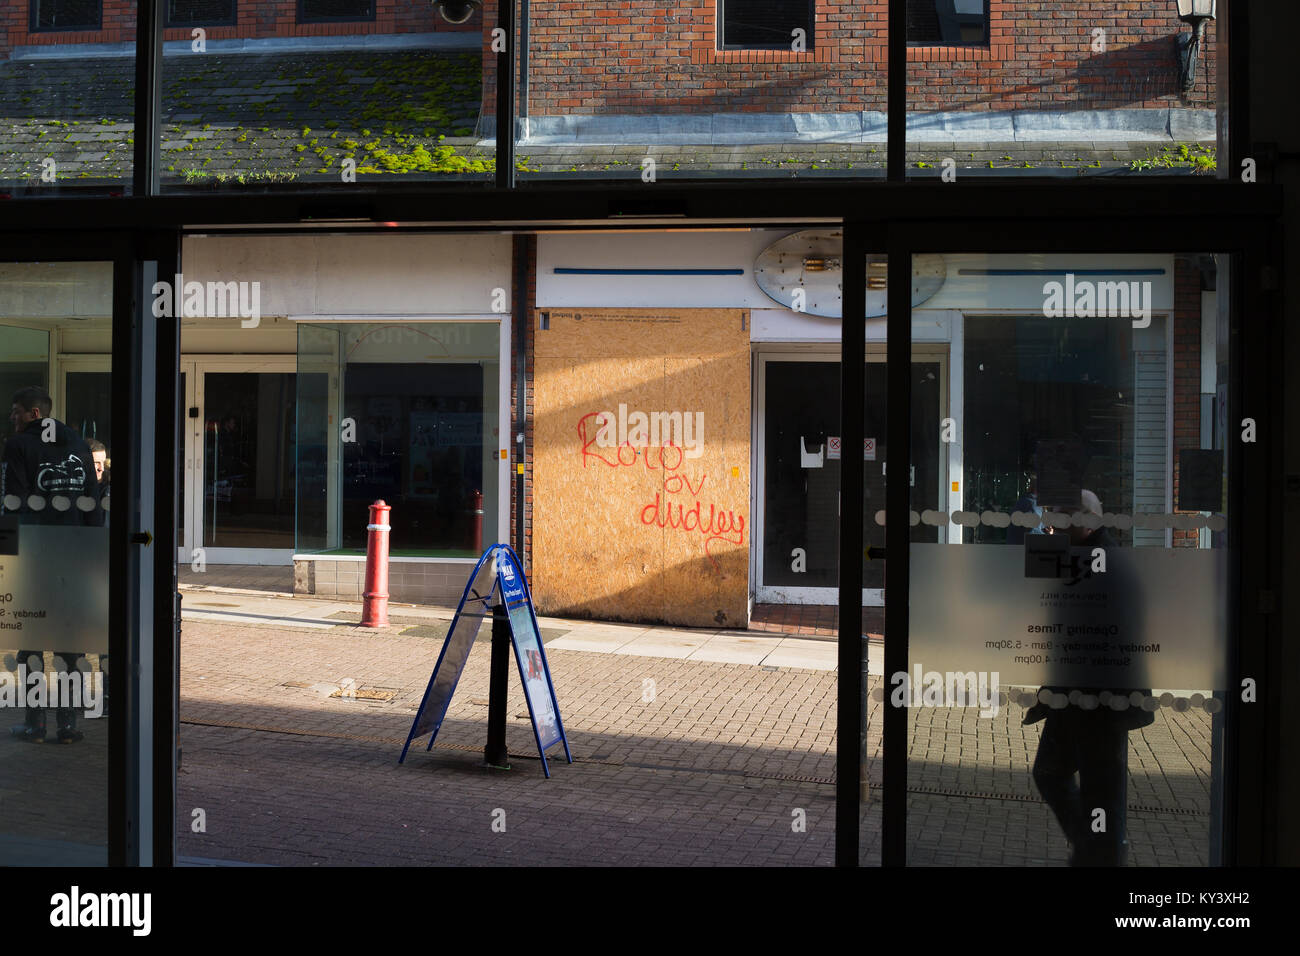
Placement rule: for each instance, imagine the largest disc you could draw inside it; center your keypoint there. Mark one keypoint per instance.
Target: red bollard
(476, 520)
(374, 611)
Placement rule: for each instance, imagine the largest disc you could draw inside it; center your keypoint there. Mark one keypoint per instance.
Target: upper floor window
(316, 11)
(65, 15)
(947, 22)
(200, 13)
(764, 24)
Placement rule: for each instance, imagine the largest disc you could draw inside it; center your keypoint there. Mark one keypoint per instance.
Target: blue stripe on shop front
(1060, 272)
(649, 272)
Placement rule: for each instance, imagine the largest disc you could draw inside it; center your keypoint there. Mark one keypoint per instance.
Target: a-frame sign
(497, 575)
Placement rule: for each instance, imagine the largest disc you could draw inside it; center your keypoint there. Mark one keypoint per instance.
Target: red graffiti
(719, 526)
(622, 452)
(681, 480)
(727, 526)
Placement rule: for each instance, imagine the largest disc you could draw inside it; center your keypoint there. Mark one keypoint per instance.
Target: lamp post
(457, 11)
(1197, 13)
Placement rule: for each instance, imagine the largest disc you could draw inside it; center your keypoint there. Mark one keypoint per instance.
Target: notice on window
(1155, 618)
(54, 592)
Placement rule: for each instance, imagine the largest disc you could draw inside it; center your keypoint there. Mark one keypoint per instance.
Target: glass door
(799, 470)
(55, 523)
(239, 466)
(1072, 634)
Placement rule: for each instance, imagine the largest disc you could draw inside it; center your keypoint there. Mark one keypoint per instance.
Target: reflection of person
(46, 482)
(1085, 729)
(46, 466)
(1027, 504)
(103, 474)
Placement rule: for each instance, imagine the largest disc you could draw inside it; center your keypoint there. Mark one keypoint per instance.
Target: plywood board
(641, 467)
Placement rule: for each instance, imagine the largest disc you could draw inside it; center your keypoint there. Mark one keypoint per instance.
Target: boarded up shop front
(641, 465)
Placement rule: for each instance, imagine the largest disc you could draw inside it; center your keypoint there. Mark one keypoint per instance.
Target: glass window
(69, 108)
(418, 434)
(65, 14)
(736, 89)
(1071, 629)
(946, 21)
(763, 24)
(200, 12)
(55, 516)
(24, 358)
(310, 11)
(248, 460)
(89, 401)
(365, 99)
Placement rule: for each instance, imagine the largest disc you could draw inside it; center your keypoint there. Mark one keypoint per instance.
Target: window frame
(720, 31)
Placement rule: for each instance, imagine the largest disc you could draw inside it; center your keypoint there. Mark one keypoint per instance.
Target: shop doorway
(237, 470)
(797, 468)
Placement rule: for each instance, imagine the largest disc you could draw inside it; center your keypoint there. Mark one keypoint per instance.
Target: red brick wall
(650, 56)
(256, 18)
(1187, 373)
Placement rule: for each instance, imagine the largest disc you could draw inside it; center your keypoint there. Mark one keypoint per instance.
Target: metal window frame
(138, 780)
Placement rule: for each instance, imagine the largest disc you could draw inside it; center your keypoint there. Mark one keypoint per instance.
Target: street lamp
(457, 11)
(1195, 12)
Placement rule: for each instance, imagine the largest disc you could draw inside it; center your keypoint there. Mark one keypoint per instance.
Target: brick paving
(707, 772)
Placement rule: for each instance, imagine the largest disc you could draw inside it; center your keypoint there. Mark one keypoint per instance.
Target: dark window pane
(337, 10)
(186, 12)
(65, 14)
(765, 23)
(946, 21)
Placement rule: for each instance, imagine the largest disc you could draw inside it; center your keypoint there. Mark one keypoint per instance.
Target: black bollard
(495, 753)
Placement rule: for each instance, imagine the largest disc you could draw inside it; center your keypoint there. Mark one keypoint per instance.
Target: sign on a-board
(497, 578)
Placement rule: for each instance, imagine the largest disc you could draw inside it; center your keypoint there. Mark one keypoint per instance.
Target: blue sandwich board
(497, 572)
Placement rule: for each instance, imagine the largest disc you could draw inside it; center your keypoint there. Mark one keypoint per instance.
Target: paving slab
(810, 655)
(664, 643)
(736, 650)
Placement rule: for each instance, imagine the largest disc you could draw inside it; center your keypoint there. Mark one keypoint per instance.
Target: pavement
(689, 748)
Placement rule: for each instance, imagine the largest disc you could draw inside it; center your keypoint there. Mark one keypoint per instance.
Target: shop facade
(681, 454)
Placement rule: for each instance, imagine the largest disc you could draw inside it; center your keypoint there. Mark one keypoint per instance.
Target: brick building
(26, 26)
(641, 56)
(770, 87)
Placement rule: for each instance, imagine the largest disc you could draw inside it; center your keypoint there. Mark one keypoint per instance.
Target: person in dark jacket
(47, 476)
